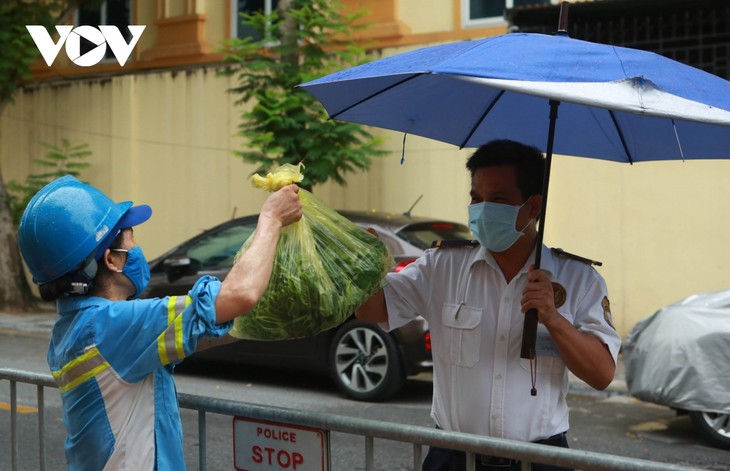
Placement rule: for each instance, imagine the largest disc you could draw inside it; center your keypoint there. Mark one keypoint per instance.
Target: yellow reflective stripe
(80, 369)
(170, 342)
(161, 339)
(88, 375)
(171, 311)
(179, 337)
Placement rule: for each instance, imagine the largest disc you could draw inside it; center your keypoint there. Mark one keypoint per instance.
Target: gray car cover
(680, 355)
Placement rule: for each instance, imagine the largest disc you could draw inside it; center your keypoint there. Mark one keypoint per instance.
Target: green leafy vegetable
(325, 267)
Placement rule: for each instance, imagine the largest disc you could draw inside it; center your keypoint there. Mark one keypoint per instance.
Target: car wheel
(364, 362)
(713, 427)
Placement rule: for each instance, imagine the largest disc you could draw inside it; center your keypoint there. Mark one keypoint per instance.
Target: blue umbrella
(614, 103)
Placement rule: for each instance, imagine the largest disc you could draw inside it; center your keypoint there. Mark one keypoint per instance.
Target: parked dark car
(680, 357)
(365, 362)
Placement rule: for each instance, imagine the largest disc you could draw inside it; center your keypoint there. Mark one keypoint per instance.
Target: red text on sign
(273, 434)
(271, 456)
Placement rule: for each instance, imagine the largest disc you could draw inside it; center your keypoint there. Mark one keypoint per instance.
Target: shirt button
(495, 417)
(499, 376)
(501, 337)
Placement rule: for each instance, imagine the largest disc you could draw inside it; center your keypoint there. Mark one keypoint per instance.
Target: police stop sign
(261, 445)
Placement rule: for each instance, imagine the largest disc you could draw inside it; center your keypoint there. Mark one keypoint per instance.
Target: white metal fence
(368, 429)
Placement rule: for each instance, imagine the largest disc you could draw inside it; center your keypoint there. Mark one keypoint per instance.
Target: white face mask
(493, 225)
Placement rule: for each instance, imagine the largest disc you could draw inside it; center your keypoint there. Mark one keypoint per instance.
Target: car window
(217, 250)
(422, 235)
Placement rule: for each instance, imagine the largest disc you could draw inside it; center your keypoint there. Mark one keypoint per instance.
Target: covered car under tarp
(680, 355)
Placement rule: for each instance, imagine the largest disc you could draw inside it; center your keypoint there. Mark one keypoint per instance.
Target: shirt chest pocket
(460, 342)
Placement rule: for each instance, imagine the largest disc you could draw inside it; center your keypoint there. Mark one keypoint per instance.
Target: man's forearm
(210, 342)
(374, 309)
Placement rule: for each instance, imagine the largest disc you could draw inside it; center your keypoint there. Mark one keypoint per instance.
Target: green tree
(17, 53)
(300, 41)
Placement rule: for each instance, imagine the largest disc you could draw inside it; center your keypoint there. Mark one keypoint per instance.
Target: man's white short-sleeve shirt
(481, 385)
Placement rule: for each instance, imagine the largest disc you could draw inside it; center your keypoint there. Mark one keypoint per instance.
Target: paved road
(608, 422)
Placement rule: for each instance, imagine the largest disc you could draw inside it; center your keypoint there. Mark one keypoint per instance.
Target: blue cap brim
(134, 216)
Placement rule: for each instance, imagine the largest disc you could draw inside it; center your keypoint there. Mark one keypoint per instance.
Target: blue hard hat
(66, 223)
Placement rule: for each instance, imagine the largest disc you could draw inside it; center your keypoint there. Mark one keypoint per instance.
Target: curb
(37, 324)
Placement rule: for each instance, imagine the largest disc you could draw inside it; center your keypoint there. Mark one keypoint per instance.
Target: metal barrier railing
(41, 381)
(369, 429)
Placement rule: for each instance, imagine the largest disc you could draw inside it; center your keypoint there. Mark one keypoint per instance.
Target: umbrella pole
(529, 330)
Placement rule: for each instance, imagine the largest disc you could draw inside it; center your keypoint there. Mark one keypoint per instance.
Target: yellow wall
(166, 136)
(166, 139)
(427, 16)
(658, 227)
(161, 138)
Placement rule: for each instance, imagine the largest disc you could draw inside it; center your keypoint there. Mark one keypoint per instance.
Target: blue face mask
(493, 225)
(136, 269)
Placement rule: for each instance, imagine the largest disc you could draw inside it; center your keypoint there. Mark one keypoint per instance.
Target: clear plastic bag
(325, 266)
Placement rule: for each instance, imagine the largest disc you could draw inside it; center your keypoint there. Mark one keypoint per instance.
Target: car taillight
(427, 341)
(403, 264)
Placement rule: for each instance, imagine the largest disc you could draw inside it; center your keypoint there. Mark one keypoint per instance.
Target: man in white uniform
(474, 296)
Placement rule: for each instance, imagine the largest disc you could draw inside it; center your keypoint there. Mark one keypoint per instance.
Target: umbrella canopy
(616, 103)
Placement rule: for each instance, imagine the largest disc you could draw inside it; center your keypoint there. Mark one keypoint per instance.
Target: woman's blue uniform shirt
(113, 362)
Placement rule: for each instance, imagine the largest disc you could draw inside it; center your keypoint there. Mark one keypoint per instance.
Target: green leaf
(286, 124)
(66, 159)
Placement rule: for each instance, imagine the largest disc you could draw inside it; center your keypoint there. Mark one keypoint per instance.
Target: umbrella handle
(529, 329)
(529, 335)
(529, 341)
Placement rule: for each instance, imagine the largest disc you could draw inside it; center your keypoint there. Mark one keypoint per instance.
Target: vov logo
(105, 35)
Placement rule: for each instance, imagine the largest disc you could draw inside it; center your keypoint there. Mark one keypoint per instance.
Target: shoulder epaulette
(448, 244)
(563, 253)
